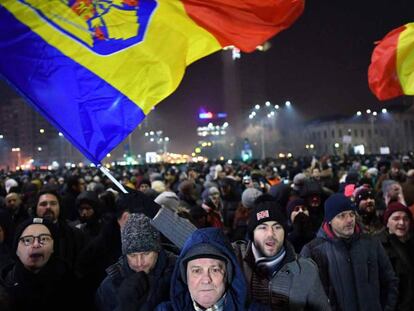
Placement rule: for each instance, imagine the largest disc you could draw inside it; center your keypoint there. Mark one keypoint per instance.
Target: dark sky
(320, 64)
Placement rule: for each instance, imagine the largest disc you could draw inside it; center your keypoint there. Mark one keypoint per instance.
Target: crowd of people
(329, 233)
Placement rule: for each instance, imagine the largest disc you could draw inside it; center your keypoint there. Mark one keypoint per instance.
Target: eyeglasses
(43, 239)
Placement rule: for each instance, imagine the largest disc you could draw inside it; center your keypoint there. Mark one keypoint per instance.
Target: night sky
(320, 64)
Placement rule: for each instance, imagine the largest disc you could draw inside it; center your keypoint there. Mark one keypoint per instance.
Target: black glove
(132, 292)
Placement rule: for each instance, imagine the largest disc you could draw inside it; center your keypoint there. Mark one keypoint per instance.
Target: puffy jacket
(235, 299)
(356, 273)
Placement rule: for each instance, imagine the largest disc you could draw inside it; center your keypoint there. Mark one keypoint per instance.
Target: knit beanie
(138, 235)
(168, 199)
(265, 211)
(362, 193)
(249, 196)
(205, 250)
(336, 204)
(395, 207)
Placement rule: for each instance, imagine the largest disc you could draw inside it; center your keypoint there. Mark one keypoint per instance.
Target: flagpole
(108, 174)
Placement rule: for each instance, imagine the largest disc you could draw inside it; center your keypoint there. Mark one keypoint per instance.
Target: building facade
(369, 132)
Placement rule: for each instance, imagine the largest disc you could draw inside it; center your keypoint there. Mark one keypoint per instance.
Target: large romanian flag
(391, 72)
(95, 68)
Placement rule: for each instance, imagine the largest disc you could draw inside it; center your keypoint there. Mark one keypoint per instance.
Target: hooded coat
(356, 273)
(236, 293)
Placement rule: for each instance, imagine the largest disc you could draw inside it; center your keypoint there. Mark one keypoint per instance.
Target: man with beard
(38, 280)
(300, 232)
(367, 213)
(68, 241)
(398, 242)
(275, 274)
(354, 268)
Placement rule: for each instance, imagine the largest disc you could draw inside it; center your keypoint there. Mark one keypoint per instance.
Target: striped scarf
(268, 265)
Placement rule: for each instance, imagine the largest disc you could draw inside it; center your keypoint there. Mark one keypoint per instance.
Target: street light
(359, 113)
(384, 110)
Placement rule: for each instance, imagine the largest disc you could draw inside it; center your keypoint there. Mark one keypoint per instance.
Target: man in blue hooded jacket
(207, 276)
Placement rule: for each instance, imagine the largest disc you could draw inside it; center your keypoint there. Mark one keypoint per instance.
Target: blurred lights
(60, 134)
(41, 131)
(384, 110)
(267, 104)
(257, 107)
(359, 113)
(368, 111)
(288, 104)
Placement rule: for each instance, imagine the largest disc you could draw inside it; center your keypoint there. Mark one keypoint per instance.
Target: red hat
(395, 207)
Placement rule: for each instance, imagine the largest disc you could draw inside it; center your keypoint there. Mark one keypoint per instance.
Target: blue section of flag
(91, 114)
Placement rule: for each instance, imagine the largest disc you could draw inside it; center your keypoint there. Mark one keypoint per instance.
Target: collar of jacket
(326, 228)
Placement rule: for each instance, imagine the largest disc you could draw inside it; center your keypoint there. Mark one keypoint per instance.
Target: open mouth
(36, 256)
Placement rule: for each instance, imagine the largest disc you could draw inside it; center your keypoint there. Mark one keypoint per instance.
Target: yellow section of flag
(405, 59)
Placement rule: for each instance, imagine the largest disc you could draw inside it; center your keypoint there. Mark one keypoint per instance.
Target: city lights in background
(212, 130)
(371, 112)
(210, 115)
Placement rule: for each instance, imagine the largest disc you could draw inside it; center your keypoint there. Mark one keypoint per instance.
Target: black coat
(402, 259)
(99, 254)
(54, 287)
(356, 273)
(69, 244)
(126, 290)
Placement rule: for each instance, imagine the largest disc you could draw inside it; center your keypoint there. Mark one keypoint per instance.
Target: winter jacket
(356, 273)
(235, 299)
(69, 243)
(295, 286)
(155, 291)
(401, 255)
(54, 287)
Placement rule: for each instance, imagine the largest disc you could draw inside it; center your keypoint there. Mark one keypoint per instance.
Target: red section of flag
(244, 23)
(382, 72)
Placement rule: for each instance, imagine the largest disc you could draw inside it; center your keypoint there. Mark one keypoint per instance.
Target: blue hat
(336, 204)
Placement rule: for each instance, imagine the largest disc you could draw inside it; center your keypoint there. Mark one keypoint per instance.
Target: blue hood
(236, 292)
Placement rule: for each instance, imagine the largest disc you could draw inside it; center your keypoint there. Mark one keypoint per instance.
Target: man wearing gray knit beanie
(140, 280)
